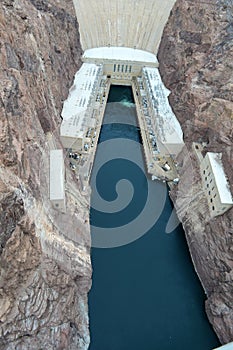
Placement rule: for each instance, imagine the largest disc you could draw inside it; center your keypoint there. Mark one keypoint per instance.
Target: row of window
(213, 195)
(205, 172)
(210, 181)
(122, 68)
(208, 185)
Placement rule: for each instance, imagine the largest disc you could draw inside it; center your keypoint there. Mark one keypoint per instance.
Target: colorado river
(145, 293)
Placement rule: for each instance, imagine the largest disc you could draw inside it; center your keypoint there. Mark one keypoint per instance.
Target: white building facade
(216, 186)
(228, 346)
(121, 64)
(169, 135)
(78, 110)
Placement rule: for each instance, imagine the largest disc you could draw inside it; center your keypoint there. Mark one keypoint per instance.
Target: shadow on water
(145, 295)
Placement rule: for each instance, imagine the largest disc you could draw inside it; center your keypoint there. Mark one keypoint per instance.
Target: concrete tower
(128, 23)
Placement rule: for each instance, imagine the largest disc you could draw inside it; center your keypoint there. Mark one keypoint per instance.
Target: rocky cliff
(44, 257)
(196, 65)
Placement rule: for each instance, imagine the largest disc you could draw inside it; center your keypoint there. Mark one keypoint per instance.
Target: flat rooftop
(78, 101)
(220, 177)
(168, 126)
(120, 54)
(225, 347)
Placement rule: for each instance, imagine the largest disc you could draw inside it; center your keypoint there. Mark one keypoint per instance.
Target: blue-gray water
(145, 294)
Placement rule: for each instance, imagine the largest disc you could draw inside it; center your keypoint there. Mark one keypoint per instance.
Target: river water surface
(145, 294)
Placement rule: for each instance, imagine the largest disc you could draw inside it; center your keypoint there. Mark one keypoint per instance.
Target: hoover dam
(133, 24)
(59, 67)
(114, 55)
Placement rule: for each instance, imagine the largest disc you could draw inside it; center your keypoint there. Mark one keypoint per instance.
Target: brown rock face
(45, 268)
(196, 65)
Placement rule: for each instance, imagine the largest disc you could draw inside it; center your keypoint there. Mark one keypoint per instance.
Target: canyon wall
(45, 269)
(44, 256)
(195, 58)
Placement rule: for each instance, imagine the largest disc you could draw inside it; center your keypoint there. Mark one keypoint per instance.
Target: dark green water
(145, 295)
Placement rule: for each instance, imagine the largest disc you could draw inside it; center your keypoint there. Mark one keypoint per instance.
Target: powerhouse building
(78, 110)
(164, 124)
(122, 66)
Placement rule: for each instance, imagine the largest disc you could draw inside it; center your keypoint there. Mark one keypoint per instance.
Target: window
(215, 195)
(119, 67)
(114, 67)
(206, 178)
(204, 172)
(130, 69)
(207, 185)
(122, 68)
(209, 192)
(213, 208)
(209, 174)
(126, 68)
(211, 200)
(211, 180)
(212, 188)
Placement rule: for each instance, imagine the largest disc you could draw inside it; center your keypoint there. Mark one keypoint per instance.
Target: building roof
(75, 107)
(228, 346)
(56, 190)
(120, 54)
(220, 177)
(169, 128)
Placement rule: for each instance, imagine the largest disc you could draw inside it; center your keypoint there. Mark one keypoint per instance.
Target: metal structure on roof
(76, 109)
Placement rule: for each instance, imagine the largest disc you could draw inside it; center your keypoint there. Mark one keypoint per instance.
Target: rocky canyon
(45, 266)
(196, 65)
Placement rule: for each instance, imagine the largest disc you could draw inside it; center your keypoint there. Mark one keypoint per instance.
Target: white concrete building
(57, 180)
(169, 135)
(228, 346)
(78, 109)
(216, 186)
(136, 24)
(121, 64)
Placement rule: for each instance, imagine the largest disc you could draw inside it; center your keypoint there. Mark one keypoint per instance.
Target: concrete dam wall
(132, 23)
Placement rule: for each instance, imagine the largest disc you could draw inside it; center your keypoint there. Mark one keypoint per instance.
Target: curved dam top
(137, 24)
(119, 54)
